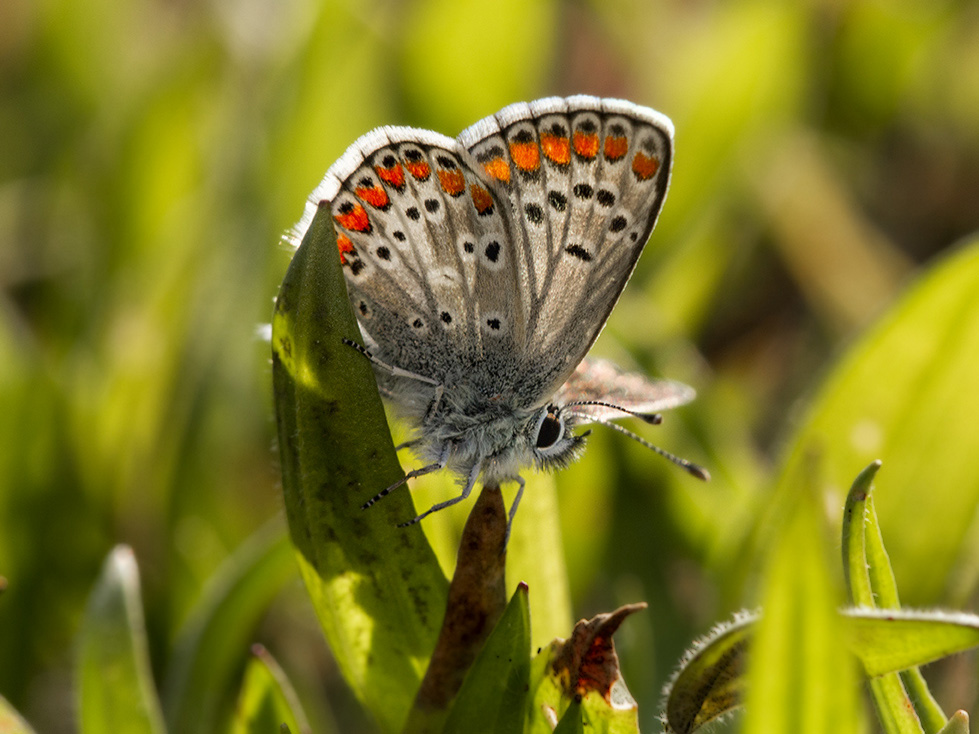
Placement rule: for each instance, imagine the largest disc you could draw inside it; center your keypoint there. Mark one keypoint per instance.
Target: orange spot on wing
(353, 218)
(557, 148)
(481, 199)
(393, 176)
(345, 246)
(526, 156)
(644, 166)
(374, 195)
(498, 169)
(452, 182)
(616, 147)
(586, 144)
(419, 169)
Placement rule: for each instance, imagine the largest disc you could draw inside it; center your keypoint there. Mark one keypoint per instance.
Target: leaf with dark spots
(588, 662)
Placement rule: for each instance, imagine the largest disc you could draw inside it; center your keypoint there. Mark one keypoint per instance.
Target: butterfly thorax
(470, 426)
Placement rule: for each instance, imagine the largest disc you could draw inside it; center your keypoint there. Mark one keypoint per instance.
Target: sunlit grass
(154, 152)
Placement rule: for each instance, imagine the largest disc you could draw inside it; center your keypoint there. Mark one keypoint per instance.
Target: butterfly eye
(550, 431)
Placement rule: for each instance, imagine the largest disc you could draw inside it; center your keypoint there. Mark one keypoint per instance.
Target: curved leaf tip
(709, 682)
(587, 660)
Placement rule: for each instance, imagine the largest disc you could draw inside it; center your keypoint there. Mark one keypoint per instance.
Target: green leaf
(535, 555)
(267, 700)
(584, 669)
(904, 702)
(11, 722)
(893, 705)
(890, 640)
(800, 675)
(957, 724)
(710, 681)
(493, 695)
(571, 722)
(901, 396)
(377, 589)
(115, 685)
(855, 571)
(210, 648)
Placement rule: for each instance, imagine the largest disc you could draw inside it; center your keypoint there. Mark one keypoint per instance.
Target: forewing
(415, 223)
(602, 381)
(586, 179)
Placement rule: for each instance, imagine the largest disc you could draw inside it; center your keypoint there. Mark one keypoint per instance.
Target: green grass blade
(115, 685)
(905, 704)
(882, 580)
(377, 589)
(535, 555)
(209, 650)
(800, 675)
(493, 695)
(861, 541)
(894, 709)
(855, 564)
(267, 699)
(930, 714)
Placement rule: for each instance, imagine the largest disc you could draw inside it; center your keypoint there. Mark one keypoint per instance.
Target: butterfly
(481, 270)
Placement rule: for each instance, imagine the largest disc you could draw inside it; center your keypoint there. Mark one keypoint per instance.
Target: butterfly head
(552, 438)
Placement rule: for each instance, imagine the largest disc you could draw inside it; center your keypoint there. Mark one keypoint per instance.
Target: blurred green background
(151, 154)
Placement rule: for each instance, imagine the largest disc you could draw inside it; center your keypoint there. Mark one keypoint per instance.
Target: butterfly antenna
(652, 418)
(688, 466)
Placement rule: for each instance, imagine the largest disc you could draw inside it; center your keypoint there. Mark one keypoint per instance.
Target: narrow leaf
(535, 554)
(267, 701)
(882, 581)
(930, 716)
(710, 680)
(890, 640)
(571, 722)
(855, 570)
(115, 685)
(904, 704)
(800, 676)
(377, 589)
(893, 706)
(958, 724)
(211, 647)
(494, 693)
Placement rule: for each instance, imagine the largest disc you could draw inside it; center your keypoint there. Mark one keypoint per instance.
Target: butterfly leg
(439, 389)
(396, 371)
(470, 482)
(399, 372)
(440, 464)
(513, 509)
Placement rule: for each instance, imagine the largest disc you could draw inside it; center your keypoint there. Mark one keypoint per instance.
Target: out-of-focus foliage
(113, 680)
(153, 152)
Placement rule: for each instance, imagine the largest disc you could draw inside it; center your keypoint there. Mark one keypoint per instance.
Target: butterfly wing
(586, 179)
(423, 242)
(601, 380)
